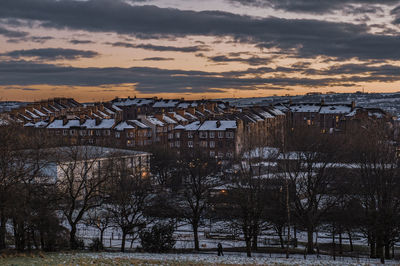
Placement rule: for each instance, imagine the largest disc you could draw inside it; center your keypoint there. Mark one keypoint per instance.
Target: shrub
(96, 245)
(159, 238)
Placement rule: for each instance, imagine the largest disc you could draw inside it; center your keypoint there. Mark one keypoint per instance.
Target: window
(203, 135)
(171, 144)
(229, 154)
(165, 129)
(177, 135)
(117, 135)
(130, 143)
(190, 144)
(212, 144)
(212, 135)
(212, 153)
(140, 142)
(220, 154)
(82, 132)
(72, 132)
(177, 144)
(149, 133)
(230, 135)
(65, 132)
(170, 135)
(159, 129)
(221, 134)
(203, 144)
(190, 135)
(91, 141)
(98, 132)
(107, 132)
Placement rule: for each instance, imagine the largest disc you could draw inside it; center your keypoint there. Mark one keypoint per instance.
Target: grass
(80, 259)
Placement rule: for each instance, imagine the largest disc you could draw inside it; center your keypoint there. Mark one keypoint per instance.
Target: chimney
(159, 116)
(82, 119)
(218, 124)
(322, 101)
(181, 112)
(98, 121)
(353, 105)
(65, 120)
(191, 110)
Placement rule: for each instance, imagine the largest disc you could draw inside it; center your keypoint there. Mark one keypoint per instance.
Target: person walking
(220, 252)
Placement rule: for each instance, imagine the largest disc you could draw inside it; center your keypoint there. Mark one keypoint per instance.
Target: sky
(96, 50)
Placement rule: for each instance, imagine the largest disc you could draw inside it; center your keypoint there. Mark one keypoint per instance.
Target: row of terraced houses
(212, 126)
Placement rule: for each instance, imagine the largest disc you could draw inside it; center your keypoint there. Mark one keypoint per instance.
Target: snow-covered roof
(335, 109)
(116, 108)
(190, 115)
(218, 125)
(134, 101)
(58, 124)
(123, 125)
(179, 127)
(167, 103)
(46, 110)
(187, 104)
(178, 117)
(276, 111)
(138, 123)
(155, 121)
(305, 108)
(193, 126)
(169, 120)
(265, 114)
(109, 111)
(38, 112)
(31, 114)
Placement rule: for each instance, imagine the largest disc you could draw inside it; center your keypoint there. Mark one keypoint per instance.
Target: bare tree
(82, 175)
(129, 196)
(199, 173)
(305, 161)
(99, 218)
(378, 187)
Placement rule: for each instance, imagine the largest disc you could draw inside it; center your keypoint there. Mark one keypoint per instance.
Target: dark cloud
(302, 37)
(51, 54)
(396, 13)
(314, 6)
(156, 80)
(11, 33)
(253, 61)
(162, 48)
(22, 89)
(36, 39)
(81, 41)
(157, 59)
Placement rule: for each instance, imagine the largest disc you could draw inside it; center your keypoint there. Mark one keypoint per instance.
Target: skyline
(99, 49)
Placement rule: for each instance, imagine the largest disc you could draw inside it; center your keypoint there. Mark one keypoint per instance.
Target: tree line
(341, 184)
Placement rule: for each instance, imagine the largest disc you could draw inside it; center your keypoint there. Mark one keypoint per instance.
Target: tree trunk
(351, 241)
(255, 237)
(195, 227)
(248, 246)
(72, 237)
(101, 236)
(379, 248)
(333, 245)
(310, 244)
(387, 250)
(280, 229)
(340, 243)
(372, 247)
(123, 241)
(2, 231)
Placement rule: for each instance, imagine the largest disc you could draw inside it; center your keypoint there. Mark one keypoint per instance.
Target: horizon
(96, 50)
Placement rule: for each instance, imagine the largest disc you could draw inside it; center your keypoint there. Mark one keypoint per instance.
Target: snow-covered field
(237, 258)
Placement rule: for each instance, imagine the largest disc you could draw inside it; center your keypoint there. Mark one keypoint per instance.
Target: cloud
(51, 54)
(162, 48)
(157, 59)
(11, 33)
(156, 80)
(396, 13)
(80, 41)
(19, 88)
(299, 37)
(312, 6)
(253, 61)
